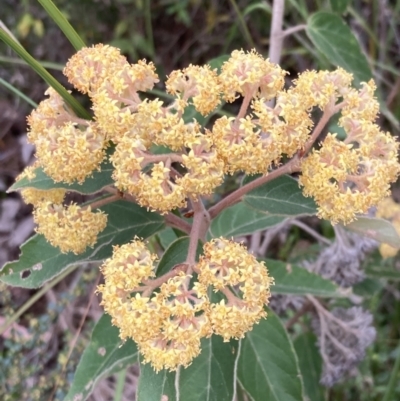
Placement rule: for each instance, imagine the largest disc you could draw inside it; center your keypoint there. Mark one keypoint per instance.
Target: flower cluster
(71, 228)
(168, 324)
(348, 177)
(344, 177)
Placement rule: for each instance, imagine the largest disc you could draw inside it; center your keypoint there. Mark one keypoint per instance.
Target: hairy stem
(288, 168)
(276, 34)
(176, 222)
(104, 201)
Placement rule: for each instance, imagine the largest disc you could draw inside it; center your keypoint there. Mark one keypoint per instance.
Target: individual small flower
(227, 265)
(159, 192)
(70, 228)
(37, 196)
(91, 66)
(205, 170)
(250, 74)
(29, 172)
(199, 83)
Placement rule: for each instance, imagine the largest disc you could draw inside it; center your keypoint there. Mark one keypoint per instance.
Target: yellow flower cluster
(348, 177)
(168, 324)
(390, 210)
(224, 265)
(71, 228)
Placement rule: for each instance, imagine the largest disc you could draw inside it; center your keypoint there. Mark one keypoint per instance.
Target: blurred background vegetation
(39, 355)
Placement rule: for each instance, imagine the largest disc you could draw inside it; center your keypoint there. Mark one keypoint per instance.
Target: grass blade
(43, 73)
(58, 17)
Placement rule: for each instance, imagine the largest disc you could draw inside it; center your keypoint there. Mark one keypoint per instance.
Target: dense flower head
(197, 82)
(131, 264)
(318, 88)
(68, 148)
(167, 325)
(71, 228)
(37, 196)
(127, 159)
(249, 73)
(51, 112)
(342, 181)
(91, 66)
(348, 177)
(116, 101)
(159, 192)
(226, 265)
(238, 145)
(205, 170)
(71, 152)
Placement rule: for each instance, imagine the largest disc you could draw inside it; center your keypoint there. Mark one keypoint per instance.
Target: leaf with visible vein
(334, 39)
(241, 220)
(280, 197)
(104, 356)
(268, 368)
(40, 262)
(295, 280)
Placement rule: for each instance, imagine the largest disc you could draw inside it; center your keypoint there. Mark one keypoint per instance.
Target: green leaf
(295, 280)
(211, 375)
(40, 262)
(334, 39)
(310, 363)
(44, 74)
(93, 184)
(104, 356)
(378, 272)
(167, 237)
(368, 288)
(239, 220)
(378, 229)
(153, 386)
(17, 92)
(217, 62)
(268, 368)
(57, 16)
(281, 197)
(339, 6)
(175, 254)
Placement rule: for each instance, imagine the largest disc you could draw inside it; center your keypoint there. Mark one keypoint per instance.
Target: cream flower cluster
(70, 149)
(348, 177)
(71, 228)
(168, 324)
